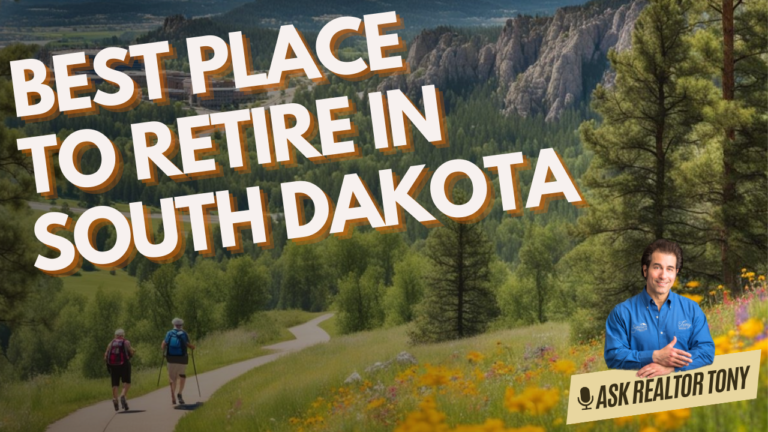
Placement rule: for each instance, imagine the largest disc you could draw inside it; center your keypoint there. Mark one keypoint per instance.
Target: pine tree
(459, 300)
(19, 246)
(729, 170)
(648, 116)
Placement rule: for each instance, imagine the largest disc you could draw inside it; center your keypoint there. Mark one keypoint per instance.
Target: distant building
(178, 84)
(222, 96)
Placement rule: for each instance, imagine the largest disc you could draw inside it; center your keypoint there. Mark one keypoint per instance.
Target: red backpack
(117, 354)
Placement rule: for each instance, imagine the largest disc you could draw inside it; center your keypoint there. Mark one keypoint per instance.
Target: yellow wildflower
(435, 376)
(649, 429)
(406, 374)
(427, 418)
(566, 367)
(468, 388)
(719, 287)
(763, 347)
(527, 428)
(694, 297)
(712, 293)
(533, 400)
(672, 419)
(478, 374)
(366, 385)
(313, 420)
(557, 422)
(376, 403)
(499, 368)
(475, 356)
(623, 421)
(751, 328)
(495, 425)
(692, 285)
(722, 345)
(761, 278)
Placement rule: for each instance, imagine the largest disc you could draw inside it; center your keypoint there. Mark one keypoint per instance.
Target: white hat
(119, 332)
(177, 322)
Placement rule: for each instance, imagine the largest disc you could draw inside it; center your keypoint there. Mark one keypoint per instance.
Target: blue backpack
(176, 345)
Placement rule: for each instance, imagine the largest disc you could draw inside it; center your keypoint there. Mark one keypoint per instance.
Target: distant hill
(59, 13)
(307, 15)
(313, 14)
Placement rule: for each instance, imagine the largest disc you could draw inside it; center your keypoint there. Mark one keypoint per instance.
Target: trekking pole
(195, 369)
(160, 372)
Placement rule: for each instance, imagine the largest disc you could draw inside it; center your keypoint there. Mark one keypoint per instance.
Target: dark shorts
(122, 372)
(177, 359)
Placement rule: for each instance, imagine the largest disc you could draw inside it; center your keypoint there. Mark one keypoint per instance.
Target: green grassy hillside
(88, 282)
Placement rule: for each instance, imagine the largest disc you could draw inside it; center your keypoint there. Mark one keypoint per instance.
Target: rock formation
(542, 64)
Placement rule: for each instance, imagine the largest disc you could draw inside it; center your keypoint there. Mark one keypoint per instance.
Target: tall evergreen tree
(648, 116)
(459, 300)
(729, 171)
(19, 247)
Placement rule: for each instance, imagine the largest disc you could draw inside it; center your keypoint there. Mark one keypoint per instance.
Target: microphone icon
(584, 396)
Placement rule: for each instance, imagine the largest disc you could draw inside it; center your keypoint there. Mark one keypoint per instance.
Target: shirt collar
(648, 300)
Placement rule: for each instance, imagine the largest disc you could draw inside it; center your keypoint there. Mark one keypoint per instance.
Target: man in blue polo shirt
(658, 331)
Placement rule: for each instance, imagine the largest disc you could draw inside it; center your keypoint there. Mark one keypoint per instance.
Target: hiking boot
(181, 401)
(124, 403)
(114, 402)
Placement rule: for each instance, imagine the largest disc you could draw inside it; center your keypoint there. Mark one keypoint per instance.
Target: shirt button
(662, 332)
(657, 316)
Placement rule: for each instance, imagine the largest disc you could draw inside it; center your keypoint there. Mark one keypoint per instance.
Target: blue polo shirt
(636, 328)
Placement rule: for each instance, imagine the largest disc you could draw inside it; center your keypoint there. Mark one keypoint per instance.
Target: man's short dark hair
(663, 246)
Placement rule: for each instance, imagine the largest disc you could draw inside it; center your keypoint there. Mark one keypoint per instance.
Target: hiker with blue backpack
(118, 356)
(175, 347)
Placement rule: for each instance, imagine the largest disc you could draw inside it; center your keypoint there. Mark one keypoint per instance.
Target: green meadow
(470, 381)
(88, 282)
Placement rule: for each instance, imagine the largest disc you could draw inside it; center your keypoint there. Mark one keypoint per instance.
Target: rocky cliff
(542, 64)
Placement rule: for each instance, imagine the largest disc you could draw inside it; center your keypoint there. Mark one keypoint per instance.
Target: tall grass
(30, 406)
(306, 391)
(267, 398)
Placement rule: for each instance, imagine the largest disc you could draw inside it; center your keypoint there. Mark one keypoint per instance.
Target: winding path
(154, 412)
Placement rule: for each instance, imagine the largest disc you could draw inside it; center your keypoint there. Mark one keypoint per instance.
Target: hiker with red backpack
(175, 347)
(118, 356)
